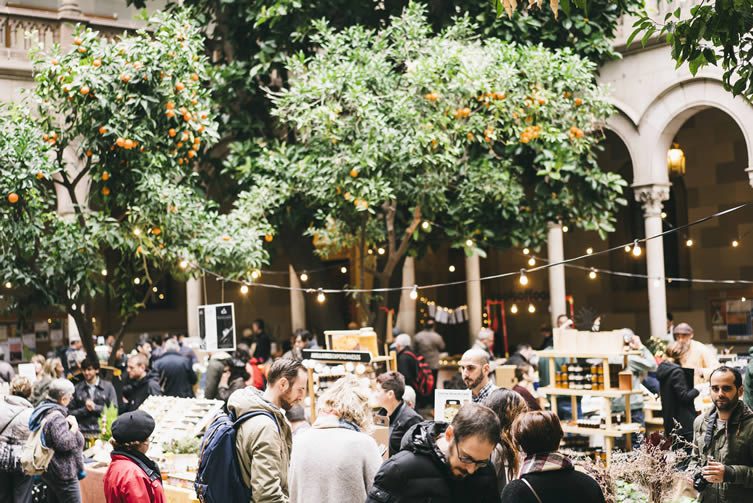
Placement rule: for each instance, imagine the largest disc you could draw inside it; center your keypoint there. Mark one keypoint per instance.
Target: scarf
(149, 467)
(545, 462)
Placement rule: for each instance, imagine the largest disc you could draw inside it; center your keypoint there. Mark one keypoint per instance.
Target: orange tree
(99, 188)
(401, 135)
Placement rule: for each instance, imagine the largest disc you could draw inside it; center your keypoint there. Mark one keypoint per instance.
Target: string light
(589, 251)
(565, 228)
(523, 278)
(154, 289)
(414, 292)
(320, 297)
(425, 225)
(532, 261)
(735, 243)
(136, 231)
(526, 251)
(304, 277)
(627, 248)
(468, 243)
(514, 309)
(8, 284)
(637, 249)
(380, 251)
(244, 289)
(136, 281)
(183, 264)
(664, 214)
(592, 274)
(103, 272)
(255, 274)
(689, 243)
(451, 268)
(371, 252)
(743, 299)
(531, 308)
(162, 296)
(344, 270)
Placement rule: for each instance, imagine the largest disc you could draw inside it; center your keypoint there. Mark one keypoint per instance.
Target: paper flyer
(447, 403)
(28, 370)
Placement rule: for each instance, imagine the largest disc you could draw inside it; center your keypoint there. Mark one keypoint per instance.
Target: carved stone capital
(651, 197)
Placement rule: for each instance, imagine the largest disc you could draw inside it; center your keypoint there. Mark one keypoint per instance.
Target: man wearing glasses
(442, 462)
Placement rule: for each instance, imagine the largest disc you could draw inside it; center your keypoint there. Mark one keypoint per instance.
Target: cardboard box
(382, 436)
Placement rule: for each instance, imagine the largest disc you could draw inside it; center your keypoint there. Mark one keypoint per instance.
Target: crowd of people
(500, 447)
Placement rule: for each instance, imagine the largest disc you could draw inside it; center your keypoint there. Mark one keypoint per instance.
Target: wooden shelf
(564, 354)
(611, 393)
(601, 432)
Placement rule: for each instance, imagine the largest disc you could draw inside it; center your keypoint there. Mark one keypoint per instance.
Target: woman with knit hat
(132, 477)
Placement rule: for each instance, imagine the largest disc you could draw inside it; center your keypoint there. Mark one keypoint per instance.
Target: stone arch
(671, 109)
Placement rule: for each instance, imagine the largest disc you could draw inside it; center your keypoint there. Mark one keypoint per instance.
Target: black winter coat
(104, 395)
(175, 374)
(418, 473)
(136, 392)
(677, 399)
(560, 486)
(408, 366)
(401, 421)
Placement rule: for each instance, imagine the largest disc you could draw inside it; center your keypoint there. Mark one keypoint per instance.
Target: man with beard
(263, 443)
(723, 442)
(140, 384)
(443, 463)
(474, 368)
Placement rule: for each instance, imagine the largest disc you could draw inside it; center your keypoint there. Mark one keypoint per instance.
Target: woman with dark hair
(132, 477)
(546, 475)
(233, 379)
(507, 405)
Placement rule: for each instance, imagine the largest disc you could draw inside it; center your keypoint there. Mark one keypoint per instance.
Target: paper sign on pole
(447, 403)
(217, 327)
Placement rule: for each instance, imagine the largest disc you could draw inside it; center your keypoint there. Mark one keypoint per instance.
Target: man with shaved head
(474, 368)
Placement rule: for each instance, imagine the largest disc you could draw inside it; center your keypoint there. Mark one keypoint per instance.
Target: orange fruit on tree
(194, 101)
(354, 172)
(179, 86)
(469, 136)
(105, 191)
(89, 153)
(180, 162)
(82, 50)
(431, 96)
(77, 41)
(12, 198)
(180, 144)
(187, 117)
(196, 146)
(184, 136)
(40, 175)
(54, 61)
(170, 114)
(129, 144)
(102, 130)
(195, 77)
(156, 231)
(197, 140)
(139, 249)
(191, 154)
(542, 101)
(268, 238)
(170, 105)
(578, 102)
(45, 137)
(84, 90)
(105, 176)
(124, 77)
(97, 63)
(120, 142)
(225, 237)
(172, 133)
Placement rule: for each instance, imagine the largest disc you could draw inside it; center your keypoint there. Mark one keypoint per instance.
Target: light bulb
(627, 248)
(244, 289)
(183, 264)
(592, 274)
(689, 243)
(154, 289)
(565, 228)
(526, 251)
(735, 243)
(255, 274)
(136, 281)
(162, 296)
(344, 270)
(523, 278)
(304, 277)
(371, 252)
(514, 309)
(589, 251)
(103, 272)
(320, 297)
(414, 293)
(451, 268)
(532, 261)
(743, 299)
(663, 214)
(637, 250)
(531, 308)
(136, 231)
(8, 284)
(425, 225)
(468, 243)
(380, 251)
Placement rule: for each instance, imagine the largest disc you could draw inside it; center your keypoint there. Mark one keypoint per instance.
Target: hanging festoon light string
(633, 247)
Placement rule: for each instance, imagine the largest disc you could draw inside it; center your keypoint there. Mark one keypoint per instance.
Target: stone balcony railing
(22, 28)
(657, 9)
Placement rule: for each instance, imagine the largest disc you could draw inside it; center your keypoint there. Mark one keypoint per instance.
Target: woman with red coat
(132, 477)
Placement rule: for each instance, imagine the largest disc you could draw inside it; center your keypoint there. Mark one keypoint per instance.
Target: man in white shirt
(698, 357)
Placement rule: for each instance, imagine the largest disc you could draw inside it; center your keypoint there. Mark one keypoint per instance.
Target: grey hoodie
(263, 446)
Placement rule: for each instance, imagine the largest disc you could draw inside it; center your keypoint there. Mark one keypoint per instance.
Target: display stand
(610, 431)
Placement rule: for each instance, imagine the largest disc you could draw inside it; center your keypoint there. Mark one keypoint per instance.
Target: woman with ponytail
(507, 405)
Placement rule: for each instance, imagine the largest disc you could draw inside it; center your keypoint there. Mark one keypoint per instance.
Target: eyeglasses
(467, 460)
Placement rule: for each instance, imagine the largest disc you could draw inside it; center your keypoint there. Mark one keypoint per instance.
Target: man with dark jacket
(90, 398)
(443, 463)
(722, 442)
(140, 386)
(389, 394)
(407, 364)
(175, 372)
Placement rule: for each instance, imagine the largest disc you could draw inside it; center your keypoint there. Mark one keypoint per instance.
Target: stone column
(69, 8)
(193, 301)
(406, 314)
(556, 253)
(473, 295)
(297, 302)
(651, 197)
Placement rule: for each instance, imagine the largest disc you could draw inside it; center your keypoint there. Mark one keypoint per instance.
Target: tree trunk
(85, 332)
